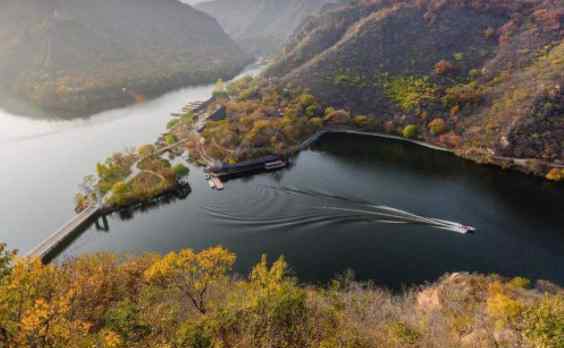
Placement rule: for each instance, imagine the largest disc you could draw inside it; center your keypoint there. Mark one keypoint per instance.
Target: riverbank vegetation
(262, 118)
(481, 77)
(191, 299)
(131, 177)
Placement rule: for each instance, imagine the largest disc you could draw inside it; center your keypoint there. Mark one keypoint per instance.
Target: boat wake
(389, 215)
(267, 211)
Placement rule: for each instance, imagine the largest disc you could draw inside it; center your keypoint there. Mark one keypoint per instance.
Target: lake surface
(314, 213)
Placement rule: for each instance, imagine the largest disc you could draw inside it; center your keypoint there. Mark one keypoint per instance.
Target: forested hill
(262, 26)
(481, 76)
(76, 56)
(190, 299)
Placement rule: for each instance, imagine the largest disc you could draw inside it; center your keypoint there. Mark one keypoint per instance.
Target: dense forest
(191, 299)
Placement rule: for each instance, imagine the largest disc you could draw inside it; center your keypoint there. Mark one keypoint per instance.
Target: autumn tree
(6, 259)
(146, 150)
(192, 273)
(437, 126)
(276, 306)
(219, 90)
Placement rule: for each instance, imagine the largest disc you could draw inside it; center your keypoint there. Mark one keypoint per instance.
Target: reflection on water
(43, 161)
(181, 193)
(286, 213)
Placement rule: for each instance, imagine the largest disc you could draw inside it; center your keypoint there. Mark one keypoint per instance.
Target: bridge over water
(66, 232)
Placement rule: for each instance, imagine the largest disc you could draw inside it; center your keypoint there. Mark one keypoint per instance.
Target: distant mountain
(261, 26)
(79, 56)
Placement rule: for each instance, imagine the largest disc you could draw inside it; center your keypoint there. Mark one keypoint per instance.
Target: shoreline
(308, 142)
(92, 102)
(524, 165)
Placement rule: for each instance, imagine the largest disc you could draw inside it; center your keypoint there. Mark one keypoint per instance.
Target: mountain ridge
(72, 56)
(261, 26)
(493, 71)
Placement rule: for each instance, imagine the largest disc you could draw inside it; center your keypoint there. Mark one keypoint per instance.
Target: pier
(66, 232)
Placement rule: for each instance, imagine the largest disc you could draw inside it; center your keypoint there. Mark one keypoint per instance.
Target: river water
(314, 213)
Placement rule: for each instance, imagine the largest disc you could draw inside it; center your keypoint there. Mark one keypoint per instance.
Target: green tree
(219, 90)
(180, 170)
(6, 259)
(437, 126)
(410, 131)
(170, 139)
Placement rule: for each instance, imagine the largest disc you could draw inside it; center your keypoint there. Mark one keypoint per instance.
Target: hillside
(488, 72)
(261, 26)
(79, 56)
(190, 299)
(479, 78)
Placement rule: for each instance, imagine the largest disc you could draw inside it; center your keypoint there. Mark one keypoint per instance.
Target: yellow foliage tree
(193, 273)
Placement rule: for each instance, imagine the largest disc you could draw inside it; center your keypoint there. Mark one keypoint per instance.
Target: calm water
(290, 212)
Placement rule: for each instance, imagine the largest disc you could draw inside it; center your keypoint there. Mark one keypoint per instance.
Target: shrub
(6, 259)
(519, 283)
(306, 100)
(444, 67)
(489, 33)
(338, 117)
(312, 110)
(469, 94)
(123, 319)
(180, 170)
(403, 334)
(437, 126)
(544, 322)
(500, 305)
(187, 117)
(458, 56)
(474, 73)
(146, 150)
(191, 335)
(170, 139)
(555, 174)
(316, 122)
(410, 131)
(361, 121)
(219, 89)
(277, 306)
(410, 92)
(172, 123)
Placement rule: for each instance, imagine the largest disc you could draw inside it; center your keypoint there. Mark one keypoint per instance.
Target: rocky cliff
(73, 57)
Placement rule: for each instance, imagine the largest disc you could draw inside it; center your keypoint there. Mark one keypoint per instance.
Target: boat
(275, 165)
(456, 226)
(222, 169)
